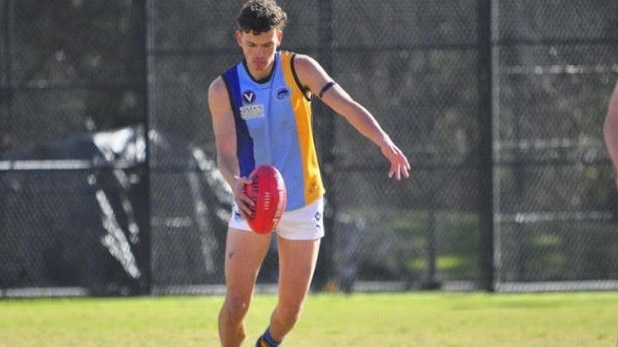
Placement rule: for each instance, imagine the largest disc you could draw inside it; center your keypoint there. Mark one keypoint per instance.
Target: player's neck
(261, 76)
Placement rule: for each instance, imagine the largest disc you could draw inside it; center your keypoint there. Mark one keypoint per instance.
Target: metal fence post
(486, 115)
(147, 41)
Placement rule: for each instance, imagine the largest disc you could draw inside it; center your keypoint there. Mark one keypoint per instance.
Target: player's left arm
(610, 130)
(315, 78)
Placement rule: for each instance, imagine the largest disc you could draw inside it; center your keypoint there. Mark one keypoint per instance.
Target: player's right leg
(244, 253)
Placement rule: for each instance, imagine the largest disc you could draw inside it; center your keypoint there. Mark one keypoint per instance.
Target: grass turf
(397, 320)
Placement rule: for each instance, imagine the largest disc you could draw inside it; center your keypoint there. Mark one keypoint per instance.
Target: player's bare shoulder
(218, 98)
(306, 64)
(310, 72)
(217, 86)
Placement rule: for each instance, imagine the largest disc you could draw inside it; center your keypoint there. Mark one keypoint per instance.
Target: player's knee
(236, 308)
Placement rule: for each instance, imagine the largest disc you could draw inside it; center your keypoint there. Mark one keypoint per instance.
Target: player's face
(259, 50)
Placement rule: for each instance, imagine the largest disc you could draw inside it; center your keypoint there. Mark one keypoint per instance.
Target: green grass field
(397, 320)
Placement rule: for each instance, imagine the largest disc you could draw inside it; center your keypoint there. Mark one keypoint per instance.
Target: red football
(269, 195)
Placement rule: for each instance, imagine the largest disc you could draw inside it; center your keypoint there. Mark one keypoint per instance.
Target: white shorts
(305, 223)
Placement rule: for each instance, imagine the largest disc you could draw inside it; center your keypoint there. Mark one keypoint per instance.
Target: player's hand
(400, 166)
(244, 203)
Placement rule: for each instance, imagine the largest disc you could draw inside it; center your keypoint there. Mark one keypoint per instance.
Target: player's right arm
(610, 130)
(224, 129)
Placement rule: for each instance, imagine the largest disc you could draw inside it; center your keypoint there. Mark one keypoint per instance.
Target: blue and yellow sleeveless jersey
(273, 126)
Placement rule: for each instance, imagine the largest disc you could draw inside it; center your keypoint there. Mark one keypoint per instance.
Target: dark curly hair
(260, 16)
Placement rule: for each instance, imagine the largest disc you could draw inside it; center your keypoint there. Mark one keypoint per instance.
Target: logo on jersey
(248, 97)
(283, 93)
(251, 112)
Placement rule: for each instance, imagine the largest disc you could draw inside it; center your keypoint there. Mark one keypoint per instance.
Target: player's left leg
(297, 261)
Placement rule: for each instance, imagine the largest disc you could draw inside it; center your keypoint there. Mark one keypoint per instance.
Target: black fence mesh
(108, 181)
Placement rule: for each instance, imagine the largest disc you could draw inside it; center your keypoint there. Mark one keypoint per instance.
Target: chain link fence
(108, 182)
